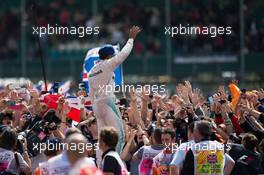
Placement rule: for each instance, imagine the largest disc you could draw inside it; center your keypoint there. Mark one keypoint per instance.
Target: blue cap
(107, 50)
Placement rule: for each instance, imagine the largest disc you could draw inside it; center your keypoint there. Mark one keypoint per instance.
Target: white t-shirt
(179, 156)
(145, 165)
(58, 165)
(162, 161)
(8, 163)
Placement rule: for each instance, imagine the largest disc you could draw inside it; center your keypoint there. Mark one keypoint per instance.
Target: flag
(52, 102)
(74, 113)
(91, 59)
(40, 86)
(64, 87)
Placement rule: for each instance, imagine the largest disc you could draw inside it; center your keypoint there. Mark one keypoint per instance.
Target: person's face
(197, 136)
(7, 122)
(166, 139)
(101, 144)
(168, 124)
(190, 135)
(22, 120)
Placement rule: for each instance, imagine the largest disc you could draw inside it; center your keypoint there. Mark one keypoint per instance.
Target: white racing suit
(101, 92)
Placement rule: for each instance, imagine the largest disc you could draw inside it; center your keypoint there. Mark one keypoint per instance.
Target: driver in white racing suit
(102, 86)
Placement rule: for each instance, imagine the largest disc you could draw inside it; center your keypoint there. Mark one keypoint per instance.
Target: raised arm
(123, 54)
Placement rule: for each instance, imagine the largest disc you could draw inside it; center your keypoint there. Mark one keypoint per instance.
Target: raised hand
(183, 92)
(145, 94)
(133, 96)
(195, 96)
(177, 100)
(66, 108)
(134, 32)
(223, 95)
(131, 135)
(188, 87)
(30, 85)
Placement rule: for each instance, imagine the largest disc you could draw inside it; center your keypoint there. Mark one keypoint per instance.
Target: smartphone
(11, 87)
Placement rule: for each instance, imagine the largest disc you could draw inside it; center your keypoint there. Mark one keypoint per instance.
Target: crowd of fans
(115, 19)
(157, 130)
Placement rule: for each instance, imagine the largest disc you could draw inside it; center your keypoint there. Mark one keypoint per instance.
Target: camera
(41, 130)
(235, 138)
(21, 137)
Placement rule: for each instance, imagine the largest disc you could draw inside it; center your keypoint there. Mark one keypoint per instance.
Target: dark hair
(109, 136)
(102, 57)
(51, 116)
(8, 139)
(157, 135)
(4, 115)
(250, 141)
(105, 52)
(170, 132)
(56, 144)
(71, 131)
(191, 127)
(90, 121)
(204, 128)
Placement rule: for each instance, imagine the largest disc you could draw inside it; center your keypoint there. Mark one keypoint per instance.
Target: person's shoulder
(145, 147)
(186, 145)
(18, 155)
(89, 160)
(238, 147)
(110, 158)
(158, 155)
(56, 158)
(157, 147)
